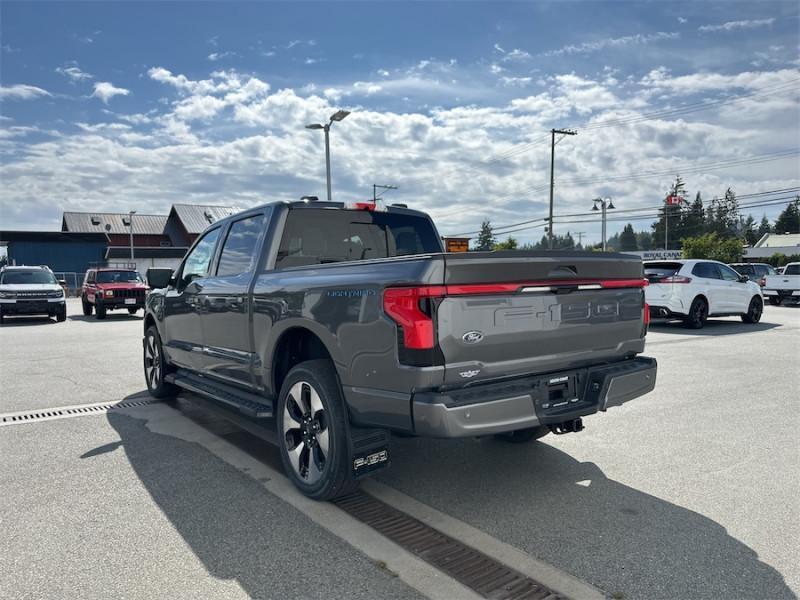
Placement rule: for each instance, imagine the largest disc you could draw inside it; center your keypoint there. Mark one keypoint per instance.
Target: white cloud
(695, 83)
(499, 49)
(105, 91)
(73, 73)
(618, 42)
(737, 25)
(198, 107)
(516, 54)
(311, 61)
(22, 91)
(215, 56)
(495, 69)
(516, 81)
(682, 20)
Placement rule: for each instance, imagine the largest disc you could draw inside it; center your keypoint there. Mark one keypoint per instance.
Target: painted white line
(416, 573)
(552, 577)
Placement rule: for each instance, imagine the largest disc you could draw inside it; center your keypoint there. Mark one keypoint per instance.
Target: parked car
(31, 291)
(347, 323)
(109, 288)
(755, 271)
(693, 290)
(786, 286)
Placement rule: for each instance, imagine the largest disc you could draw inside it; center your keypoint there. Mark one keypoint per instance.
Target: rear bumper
(661, 311)
(528, 402)
(781, 293)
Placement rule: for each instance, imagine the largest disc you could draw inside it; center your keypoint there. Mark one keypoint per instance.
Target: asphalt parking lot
(690, 492)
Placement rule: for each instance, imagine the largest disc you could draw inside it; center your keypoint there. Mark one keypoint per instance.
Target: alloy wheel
(305, 429)
(152, 362)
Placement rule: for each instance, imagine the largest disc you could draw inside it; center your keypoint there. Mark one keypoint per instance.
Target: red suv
(111, 288)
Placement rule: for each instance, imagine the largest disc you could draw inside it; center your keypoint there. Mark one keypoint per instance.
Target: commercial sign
(658, 254)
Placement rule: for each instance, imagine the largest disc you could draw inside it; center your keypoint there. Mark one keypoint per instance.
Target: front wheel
(99, 311)
(698, 313)
(754, 311)
(61, 314)
(155, 366)
(775, 300)
(313, 431)
(521, 436)
(86, 305)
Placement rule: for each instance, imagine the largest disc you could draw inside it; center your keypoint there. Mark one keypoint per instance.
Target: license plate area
(130, 300)
(559, 392)
(560, 397)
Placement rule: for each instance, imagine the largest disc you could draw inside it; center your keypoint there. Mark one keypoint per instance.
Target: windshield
(22, 277)
(118, 276)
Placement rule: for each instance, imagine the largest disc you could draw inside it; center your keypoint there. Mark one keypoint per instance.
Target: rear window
(33, 276)
(745, 269)
(655, 271)
(792, 270)
(320, 236)
(118, 276)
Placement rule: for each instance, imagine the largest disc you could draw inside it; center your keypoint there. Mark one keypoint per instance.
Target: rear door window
(239, 251)
(706, 270)
(792, 270)
(656, 271)
(320, 236)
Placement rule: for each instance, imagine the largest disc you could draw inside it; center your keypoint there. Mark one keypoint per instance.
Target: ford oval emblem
(472, 337)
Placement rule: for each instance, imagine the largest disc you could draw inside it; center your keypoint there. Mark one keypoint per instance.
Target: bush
(712, 247)
(778, 259)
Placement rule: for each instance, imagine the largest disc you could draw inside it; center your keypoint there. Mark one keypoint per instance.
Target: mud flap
(369, 450)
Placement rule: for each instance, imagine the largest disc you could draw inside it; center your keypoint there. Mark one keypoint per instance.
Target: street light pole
(130, 224)
(339, 115)
(605, 204)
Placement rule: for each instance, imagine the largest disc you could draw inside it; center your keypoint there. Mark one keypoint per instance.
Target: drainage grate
(489, 578)
(47, 414)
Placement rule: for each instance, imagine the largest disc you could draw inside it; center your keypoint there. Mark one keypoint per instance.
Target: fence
(73, 282)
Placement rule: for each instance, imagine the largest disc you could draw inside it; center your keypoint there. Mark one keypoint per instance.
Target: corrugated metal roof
(196, 217)
(84, 222)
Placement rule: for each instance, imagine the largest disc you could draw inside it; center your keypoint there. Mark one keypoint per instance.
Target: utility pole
(130, 223)
(375, 187)
(580, 235)
(553, 133)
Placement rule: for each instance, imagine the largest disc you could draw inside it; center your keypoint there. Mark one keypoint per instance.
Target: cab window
(239, 251)
(197, 262)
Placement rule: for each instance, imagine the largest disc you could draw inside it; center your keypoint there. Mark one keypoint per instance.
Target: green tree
(713, 247)
(694, 218)
(644, 239)
(486, 239)
(748, 228)
(670, 225)
(789, 220)
(764, 227)
(627, 239)
(509, 244)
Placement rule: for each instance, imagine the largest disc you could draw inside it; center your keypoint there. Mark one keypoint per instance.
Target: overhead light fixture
(315, 126)
(339, 115)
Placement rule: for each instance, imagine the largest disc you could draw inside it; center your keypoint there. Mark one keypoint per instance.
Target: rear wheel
(754, 311)
(155, 366)
(313, 431)
(775, 301)
(521, 436)
(86, 305)
(698, 313)
(99, 310)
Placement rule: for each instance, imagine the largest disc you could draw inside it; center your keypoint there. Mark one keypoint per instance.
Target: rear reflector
(646, 315)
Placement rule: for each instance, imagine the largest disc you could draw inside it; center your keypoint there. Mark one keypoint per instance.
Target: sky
(120, 106)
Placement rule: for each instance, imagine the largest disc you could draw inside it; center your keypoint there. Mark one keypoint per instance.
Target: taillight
(676, 279)
(646, 316)
(403, 305)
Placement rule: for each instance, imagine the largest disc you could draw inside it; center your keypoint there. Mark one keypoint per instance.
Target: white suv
(31, 291)
(693, 290)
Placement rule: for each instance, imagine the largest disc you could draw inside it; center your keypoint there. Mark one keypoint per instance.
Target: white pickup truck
(783, 287)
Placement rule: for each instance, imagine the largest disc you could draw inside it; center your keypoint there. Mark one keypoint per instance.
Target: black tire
(301, 426)
(87, 306)
(61, 315)
(775, 301)
(522, 436)
(132, 311)
(2, 317)
(698, 313)
(754, 311)
(99, 310)
(156, 366)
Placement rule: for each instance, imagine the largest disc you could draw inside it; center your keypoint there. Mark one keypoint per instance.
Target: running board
(246, 403)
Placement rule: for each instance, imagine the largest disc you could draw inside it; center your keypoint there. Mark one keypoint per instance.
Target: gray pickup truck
(338, 326)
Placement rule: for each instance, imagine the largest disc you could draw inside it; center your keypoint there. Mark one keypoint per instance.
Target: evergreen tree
(764, 227)
(694, 218)
(486, 239)
(789, 220)
(644, 239)
(627, 239)
(748, 229)
(670, 225)
(729, 216)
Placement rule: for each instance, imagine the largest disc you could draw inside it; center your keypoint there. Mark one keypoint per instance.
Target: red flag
(672, 199)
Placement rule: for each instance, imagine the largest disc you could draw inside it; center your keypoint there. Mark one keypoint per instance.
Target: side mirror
(62, 282)
(159, 278)
(743, 279)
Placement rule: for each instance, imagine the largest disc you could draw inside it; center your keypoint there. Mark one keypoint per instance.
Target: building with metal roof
(190, 220)
(774, 243)
(113, 223)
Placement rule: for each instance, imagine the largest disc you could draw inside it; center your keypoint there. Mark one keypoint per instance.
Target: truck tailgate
(525, 312)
